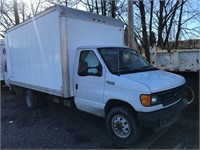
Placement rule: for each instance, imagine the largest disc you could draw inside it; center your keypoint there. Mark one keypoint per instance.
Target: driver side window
(89, 64)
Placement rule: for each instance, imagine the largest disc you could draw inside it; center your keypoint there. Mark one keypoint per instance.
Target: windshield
(124, 60)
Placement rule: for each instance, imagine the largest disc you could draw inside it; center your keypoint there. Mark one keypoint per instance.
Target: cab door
(89, 83)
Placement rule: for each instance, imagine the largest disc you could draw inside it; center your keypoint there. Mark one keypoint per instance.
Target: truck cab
(119, 84)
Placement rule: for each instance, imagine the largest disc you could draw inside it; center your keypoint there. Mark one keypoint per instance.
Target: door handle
(110, 82)
(76, 86)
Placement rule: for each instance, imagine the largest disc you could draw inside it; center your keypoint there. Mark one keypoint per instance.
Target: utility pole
(131, 36)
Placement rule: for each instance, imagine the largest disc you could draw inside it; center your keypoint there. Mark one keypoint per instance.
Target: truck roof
(76, 14)
(99, 46)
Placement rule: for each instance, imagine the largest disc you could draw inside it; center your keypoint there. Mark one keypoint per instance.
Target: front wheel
(191, 93)
(122, 125)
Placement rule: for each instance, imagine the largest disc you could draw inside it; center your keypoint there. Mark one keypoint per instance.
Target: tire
(122, 125)
(31, 99)
(191, 93)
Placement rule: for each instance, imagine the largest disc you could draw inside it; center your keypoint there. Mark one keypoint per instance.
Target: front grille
(170, 96)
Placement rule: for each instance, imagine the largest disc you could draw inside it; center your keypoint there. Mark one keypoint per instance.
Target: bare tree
(160, 24)
(103, 7)
(15, 11)
(144, 30)
(168, 30)
(179, 23)
(152, 40)
(165, 20)
(97, 7)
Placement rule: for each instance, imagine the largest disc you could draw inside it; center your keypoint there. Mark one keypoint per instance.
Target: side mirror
(83, 69)
(99, 70)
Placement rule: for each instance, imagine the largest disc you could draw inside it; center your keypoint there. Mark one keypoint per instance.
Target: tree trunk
(103, 7)
(88, 4)
(144, 30)
(170, 24)
(150, 24)
(179, 24)
(113, 9)
(97, 7)
(16, 12)
(23, 12)
(160, 24)
(92, 5)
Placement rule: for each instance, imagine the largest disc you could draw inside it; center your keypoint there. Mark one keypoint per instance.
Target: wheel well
(114, 103)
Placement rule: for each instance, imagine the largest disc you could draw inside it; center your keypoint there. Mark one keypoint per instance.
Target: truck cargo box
(41, 50)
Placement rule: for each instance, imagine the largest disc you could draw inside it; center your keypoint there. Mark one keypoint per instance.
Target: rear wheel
(31, 99)
(122, 125)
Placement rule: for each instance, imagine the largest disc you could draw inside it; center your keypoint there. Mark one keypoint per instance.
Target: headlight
(148, 100)
(154, 99)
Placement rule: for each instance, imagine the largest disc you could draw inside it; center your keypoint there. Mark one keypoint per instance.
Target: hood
(157, 80)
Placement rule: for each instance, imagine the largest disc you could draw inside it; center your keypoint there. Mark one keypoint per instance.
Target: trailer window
(89, 64)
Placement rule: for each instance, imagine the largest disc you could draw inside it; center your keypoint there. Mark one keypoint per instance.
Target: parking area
(58, 127)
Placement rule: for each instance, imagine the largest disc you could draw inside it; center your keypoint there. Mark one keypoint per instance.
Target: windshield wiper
(134, 70)
(127, 70)
(148, 68)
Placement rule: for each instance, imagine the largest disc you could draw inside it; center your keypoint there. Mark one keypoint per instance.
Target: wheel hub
(120, 126)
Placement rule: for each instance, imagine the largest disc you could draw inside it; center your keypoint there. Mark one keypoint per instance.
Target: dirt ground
(58, 127)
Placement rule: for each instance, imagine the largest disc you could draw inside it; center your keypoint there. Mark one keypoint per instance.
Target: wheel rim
(121, 126)
(28, 100)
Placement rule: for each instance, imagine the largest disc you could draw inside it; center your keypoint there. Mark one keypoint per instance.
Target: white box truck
(80, 58)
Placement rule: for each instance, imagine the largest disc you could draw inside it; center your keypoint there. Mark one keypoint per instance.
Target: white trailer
(79, 58)
(184, 62)
(3, 59)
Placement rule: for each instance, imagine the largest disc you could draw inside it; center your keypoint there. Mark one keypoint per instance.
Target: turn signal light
(145, 100)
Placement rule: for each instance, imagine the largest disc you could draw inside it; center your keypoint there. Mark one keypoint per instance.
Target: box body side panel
(87, 33)
(34, 55)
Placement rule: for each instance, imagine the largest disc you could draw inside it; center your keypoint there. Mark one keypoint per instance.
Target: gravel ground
(58, 127)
